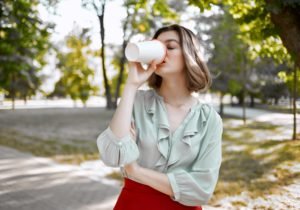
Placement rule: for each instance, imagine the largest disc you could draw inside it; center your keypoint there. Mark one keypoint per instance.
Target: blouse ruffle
(198, 114)
(196, 186)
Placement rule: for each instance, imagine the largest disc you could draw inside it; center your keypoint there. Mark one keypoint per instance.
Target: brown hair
(197, 74)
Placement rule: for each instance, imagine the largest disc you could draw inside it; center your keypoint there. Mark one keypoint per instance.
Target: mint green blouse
(190, 156)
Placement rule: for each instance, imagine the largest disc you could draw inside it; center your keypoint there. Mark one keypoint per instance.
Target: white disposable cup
(146, 52)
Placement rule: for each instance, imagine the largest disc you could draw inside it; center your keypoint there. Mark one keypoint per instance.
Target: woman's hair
(197, 74)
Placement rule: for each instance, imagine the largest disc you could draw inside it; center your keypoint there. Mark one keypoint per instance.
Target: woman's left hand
(132, 169)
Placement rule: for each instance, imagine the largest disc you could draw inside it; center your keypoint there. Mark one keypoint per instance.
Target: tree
(24, 42)
(288, 78)
(99, 9)
(139, 20)
(270, 27)
(229, 60)
(142, 17)
(76, 74)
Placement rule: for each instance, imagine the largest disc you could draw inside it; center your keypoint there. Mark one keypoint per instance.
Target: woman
(166, 142)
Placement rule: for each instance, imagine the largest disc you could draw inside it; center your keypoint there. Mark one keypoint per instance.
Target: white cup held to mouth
(146, 52)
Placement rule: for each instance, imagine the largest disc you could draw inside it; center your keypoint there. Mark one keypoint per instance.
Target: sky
(70, 13)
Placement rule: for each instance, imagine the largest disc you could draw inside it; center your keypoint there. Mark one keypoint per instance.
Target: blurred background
(62, 71)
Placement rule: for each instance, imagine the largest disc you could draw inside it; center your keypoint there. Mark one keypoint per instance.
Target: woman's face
(174, 61)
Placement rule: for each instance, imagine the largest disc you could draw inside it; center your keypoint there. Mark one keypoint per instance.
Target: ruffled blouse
(190, 156)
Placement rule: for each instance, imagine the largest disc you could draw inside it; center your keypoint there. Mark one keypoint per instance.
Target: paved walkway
(32, 183)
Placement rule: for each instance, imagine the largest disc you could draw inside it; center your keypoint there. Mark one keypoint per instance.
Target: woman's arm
(154, 179)
(120, 123)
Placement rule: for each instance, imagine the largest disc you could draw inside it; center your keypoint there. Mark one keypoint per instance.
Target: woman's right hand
(138, 75)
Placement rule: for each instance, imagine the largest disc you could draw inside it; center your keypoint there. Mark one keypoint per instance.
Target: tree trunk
(252, 102)
(13, 101)
(294, 137)
(13, 91)
(123, 59)
(241, 98)
(221, 105)
(244, 106)
(244, 92)
(276, 100)
(25, 100)
(120, 78)
(109, 103)
(286, 21)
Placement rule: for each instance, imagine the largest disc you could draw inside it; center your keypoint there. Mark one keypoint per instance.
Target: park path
(34, 183)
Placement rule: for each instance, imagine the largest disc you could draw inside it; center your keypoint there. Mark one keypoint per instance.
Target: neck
(175, 92)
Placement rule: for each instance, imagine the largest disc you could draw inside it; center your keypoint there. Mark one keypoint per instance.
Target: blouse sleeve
(116, 151)
(195, 187)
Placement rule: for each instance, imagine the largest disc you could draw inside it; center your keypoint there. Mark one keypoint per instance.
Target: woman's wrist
(132, 169)
(131, 86)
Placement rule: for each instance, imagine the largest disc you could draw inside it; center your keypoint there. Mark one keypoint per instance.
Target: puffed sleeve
(196, 186)
(116, 152)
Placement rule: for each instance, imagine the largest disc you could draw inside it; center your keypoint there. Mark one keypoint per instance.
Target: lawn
(255, 163)
(66, 135)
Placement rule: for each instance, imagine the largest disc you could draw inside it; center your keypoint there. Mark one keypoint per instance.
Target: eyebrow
(172, 40)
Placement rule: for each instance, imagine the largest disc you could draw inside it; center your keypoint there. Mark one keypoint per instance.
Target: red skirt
(136, 196)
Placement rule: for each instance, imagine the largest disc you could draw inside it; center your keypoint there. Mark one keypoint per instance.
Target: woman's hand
(138, 75)
(132, 169)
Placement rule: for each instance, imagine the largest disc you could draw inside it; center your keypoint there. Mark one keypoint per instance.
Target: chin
(160, 70)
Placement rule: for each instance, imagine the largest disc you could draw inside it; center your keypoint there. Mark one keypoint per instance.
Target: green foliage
(24, 42)
(288, 78)
(161, 8)
(76, 74)
(256, 27)
(229, 58)
(203, 4)
(236, 69)
(144, 16)
(234, 87)
(258, 31)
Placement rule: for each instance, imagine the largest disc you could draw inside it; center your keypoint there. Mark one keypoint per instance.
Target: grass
(247, 171)
(255, 125)
(277, 108)
(74, 152)
(115, 175)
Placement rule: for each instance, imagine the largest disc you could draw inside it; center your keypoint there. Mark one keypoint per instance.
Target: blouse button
(120, 144)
